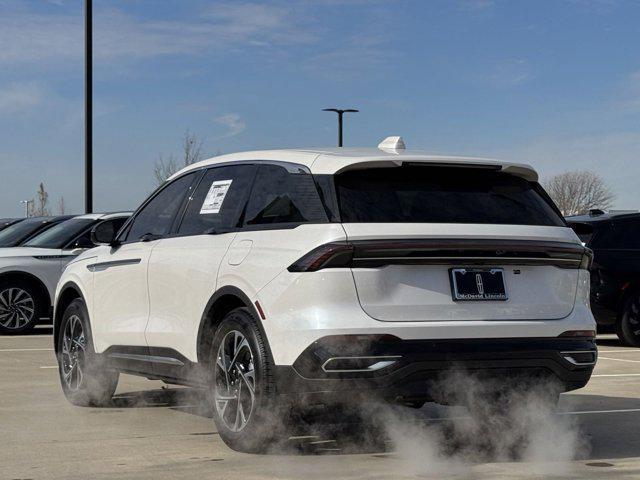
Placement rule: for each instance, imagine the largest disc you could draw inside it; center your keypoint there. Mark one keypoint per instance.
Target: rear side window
(217, 203)
(283, 196)
(156, 218)
(432, 194)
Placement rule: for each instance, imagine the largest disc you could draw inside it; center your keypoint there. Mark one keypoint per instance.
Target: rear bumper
(412, 368)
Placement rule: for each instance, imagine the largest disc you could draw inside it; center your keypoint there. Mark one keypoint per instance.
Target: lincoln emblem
(479, 284)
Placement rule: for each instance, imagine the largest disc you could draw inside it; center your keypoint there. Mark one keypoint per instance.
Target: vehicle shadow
(188, 400)
(610, 420)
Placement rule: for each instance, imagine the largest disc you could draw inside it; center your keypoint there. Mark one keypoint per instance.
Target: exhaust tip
(359, 364)
(581, 358)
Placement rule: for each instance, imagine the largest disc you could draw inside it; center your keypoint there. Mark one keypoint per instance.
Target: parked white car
(328, 274)
(29, 273)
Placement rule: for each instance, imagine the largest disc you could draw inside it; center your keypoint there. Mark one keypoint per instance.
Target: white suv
(319, 275)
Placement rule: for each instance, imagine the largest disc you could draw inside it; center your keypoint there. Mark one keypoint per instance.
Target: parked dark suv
(615, 274)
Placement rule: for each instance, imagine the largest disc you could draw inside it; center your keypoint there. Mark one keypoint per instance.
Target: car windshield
(61, 234)
(15, 234)
(435, 194)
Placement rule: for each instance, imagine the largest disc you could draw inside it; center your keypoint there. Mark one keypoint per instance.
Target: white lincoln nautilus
(318, 275)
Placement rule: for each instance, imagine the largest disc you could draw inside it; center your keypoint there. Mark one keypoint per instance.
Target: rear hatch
(437, 243)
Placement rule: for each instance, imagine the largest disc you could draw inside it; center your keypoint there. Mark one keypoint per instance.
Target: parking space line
(617, 375)
(18, 337)
(620, 351)
(585, 412)
(618, 359)
(50, 366)
(26, 350)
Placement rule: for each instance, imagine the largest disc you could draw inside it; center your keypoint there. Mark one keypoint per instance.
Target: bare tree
(61, 206)
(191, 153)
(579, 191)
(39, 207)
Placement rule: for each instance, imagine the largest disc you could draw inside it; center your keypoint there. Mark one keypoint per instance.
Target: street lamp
(340, 113)
(88, 106)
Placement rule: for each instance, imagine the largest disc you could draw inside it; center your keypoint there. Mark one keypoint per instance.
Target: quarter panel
(271, 252)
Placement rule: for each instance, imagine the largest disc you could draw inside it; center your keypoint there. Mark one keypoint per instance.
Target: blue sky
(551, 83)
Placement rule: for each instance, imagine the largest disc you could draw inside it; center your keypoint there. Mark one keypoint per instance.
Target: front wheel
(85, 379)
(245, 411)
(628, 326)
(20, 307)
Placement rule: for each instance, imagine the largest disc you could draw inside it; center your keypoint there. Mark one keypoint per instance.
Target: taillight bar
(578, 333)
(378, 253)
(329, 255)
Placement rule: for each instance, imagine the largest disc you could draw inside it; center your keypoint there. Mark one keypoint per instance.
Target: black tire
(87, 382)
(21, 306)
(629, 322)
(231, 392)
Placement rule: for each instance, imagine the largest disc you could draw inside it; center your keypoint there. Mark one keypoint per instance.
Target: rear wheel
(245, 410)
(84, 378)
(628, 326)
(21, 307)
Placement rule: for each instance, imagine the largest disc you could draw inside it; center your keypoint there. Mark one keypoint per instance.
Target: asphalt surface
(157, 432)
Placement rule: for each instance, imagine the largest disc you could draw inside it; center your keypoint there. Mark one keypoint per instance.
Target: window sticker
(213, 201)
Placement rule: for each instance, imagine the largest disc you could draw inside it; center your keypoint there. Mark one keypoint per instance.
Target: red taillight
(578, 333)
(329, 255)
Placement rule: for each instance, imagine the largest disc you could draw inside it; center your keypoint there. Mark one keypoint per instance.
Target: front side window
(218, 201)
(434, 194)
(282, 196)
(156, 218)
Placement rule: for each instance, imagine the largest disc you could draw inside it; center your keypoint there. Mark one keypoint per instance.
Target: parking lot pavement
(154, 431)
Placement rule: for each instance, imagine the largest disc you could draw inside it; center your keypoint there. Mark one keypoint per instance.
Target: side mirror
(104, 234)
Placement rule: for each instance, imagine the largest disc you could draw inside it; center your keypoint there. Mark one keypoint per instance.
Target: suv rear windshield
(434, 194)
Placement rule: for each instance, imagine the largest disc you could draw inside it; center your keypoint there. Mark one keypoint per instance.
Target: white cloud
(53, 39)
(233, 123)
(508, 73)
(17, 98)
(360, 54)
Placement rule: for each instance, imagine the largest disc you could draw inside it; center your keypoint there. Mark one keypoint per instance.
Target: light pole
(26, 204)
(88, 106)
(340, 113)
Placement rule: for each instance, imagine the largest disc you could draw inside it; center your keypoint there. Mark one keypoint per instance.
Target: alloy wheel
(17, 308)
(73, 353)
(235, 381)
